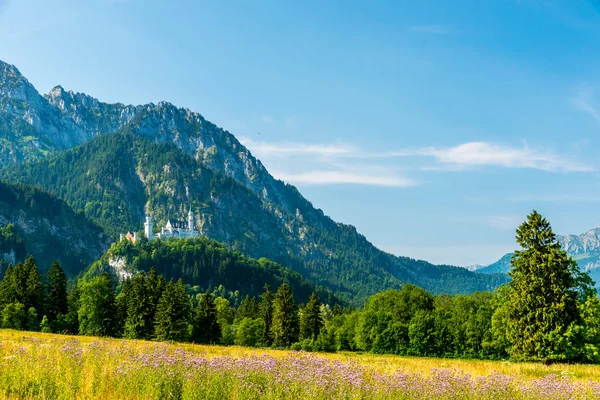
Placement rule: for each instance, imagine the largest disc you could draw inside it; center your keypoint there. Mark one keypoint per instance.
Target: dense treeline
(150, 307)
(548, 311)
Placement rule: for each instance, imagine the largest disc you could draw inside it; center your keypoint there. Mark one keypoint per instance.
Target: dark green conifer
(543, 298)
(311, 322)
(138, 323)
(206, 327)
(173, 313)
(57, 292)
(266, 313)
(34, 288)
(285, 324)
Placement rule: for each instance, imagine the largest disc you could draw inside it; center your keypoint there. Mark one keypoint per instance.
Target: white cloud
(584, 102)
(489, 154)
(338, 163)
(326, 177)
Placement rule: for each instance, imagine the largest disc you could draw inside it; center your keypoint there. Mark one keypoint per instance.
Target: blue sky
(433, 127)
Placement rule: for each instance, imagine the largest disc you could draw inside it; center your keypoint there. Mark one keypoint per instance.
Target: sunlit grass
(35, 365)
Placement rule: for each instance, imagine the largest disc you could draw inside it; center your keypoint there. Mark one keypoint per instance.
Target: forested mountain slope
(242, 204)
(115, 177)
(47, 228)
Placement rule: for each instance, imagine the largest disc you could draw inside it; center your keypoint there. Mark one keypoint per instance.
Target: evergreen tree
(139, 323)
(266, 313)
(155, 285)
(173, 313)
(311, 322)
(57, 292)
(249, 308)
(8, 293)
(97, 310)
(121, 302)
(206, 328)
(543, 299)
(34, 288)
(285, 324)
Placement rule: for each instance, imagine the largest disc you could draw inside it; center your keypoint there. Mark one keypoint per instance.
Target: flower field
(45, 366)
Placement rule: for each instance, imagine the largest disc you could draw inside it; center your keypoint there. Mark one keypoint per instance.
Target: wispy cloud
(473, 154)
(342, 163)
(324, 164)
(329, 177)
(434, 29)
(584, 101)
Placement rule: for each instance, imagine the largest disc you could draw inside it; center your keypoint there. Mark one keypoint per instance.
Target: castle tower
(148, 227)
(191, 220)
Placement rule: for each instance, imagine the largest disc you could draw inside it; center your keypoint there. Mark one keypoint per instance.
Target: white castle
(177, 230)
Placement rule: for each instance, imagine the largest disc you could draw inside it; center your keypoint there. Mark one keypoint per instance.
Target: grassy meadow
(46, 366)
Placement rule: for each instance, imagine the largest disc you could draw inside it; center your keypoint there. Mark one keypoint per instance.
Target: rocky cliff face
(577, 245)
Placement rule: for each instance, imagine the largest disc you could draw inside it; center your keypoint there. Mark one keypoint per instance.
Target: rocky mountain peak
(579, 244)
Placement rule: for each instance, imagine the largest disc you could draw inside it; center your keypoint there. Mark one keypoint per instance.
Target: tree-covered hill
(35, 222)
(204, 263)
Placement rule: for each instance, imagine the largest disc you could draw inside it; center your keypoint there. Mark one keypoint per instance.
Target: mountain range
(114, 162)
(584, 248)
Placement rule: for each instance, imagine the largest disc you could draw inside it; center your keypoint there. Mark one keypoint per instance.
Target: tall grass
(45, 366)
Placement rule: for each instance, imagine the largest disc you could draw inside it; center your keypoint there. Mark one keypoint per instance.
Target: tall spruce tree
(57, 292)
(285, 324)
(155, 284)
(206, 328)
(266, 313)
(97, 310)
(542, 302)
(311, 322)
(34, 288)
(8, 294)
(138, 323)
(173, 313)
